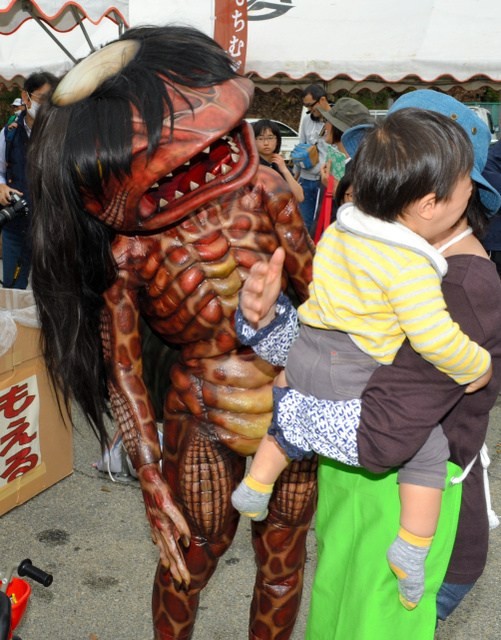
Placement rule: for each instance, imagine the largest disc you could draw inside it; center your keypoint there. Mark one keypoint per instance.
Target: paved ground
(92, 535)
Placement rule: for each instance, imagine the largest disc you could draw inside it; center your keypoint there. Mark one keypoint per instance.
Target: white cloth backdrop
(25, 47)
(391, 39)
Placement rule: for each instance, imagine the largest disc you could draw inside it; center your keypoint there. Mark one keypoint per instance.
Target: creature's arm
(290, 231)
(135, 417)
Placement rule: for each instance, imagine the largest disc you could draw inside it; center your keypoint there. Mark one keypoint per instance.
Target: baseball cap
(477, 131)
(16, 103)
(347, 113)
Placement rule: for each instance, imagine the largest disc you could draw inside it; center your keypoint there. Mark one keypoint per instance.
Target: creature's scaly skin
(192, 216)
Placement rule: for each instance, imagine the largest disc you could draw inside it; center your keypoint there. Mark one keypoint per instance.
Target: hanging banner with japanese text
(19, 429)
(230, 29)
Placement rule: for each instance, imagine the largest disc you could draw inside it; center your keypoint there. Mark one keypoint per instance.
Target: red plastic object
(21, 591)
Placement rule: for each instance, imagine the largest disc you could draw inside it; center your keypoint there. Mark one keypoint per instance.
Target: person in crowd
(492, 173)
(13, 153)
(394, 424)
(344, 114)
(17, 107)
(269, 142)
(334, 158)
(344, 192)
(312, 125)
(413, 169)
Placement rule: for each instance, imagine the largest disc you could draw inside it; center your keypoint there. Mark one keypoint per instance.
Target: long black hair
(72, 262)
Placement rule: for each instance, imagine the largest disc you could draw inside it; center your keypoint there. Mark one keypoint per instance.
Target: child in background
(376, 281)
(335, 195)
(268, 142)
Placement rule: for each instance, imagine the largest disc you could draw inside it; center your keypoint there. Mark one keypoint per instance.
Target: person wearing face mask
(13, 153)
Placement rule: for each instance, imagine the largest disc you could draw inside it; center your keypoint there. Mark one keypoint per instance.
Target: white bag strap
(457, 480)
(485, 462)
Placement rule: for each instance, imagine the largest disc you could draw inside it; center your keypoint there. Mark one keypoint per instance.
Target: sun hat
(347, 113)
(16, 103)
(477, 131)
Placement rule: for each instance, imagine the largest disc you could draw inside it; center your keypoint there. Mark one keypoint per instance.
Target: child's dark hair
(412, 153)
(263, 125)
(342, 187)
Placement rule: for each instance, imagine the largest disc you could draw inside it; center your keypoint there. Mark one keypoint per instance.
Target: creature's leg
(280, 546)
(204, 473)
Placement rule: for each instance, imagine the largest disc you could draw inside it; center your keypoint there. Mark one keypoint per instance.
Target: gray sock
(250, 501)
(407, 563)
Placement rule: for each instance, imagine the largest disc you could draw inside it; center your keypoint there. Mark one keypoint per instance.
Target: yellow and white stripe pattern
(380, 282)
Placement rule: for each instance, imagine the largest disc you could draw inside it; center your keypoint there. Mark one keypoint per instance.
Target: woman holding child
(351, 550)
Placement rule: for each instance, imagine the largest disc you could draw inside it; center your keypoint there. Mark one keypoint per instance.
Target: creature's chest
(188, 277)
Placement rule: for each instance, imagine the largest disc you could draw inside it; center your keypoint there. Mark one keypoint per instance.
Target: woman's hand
(294, 186)
(325, 171)
(280, 162)
(261, 290)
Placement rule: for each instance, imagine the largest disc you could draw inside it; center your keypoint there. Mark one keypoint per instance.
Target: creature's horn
(81, 81)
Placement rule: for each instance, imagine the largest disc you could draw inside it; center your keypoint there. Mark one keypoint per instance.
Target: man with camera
(14, 140)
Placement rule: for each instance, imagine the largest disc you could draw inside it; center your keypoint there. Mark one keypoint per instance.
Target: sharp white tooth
(235, 157)
(163, 202)
(209, 177)
(187, 163)
(225, 169)
(234, 147)
(169, 175)
(206, 150)
(178, 194)
(155, 186)
(193, 186)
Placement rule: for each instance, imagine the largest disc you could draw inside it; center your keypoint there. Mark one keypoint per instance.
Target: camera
(17, 207)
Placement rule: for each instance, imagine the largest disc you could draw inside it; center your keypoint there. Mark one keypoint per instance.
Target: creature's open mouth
(219, 163)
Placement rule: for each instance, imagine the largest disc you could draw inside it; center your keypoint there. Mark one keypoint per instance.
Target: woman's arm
(294, 186)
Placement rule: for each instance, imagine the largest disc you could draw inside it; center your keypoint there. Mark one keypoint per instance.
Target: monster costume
(150, 203)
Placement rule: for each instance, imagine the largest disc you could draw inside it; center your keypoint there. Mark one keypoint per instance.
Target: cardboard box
(36, 445)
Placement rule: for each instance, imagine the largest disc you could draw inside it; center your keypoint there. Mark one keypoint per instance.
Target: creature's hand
(261, 290)
(5, 192)
(168, 526)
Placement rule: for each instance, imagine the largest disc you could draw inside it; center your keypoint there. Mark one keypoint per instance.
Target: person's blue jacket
(15, 155)
(492, 173)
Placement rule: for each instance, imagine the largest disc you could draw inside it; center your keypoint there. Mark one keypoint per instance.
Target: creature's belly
(230, 396)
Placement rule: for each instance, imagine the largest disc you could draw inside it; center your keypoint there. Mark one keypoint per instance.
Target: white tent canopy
(347, 43)
(385, 41)
(388, 38)
(51, 34)
(61, 15)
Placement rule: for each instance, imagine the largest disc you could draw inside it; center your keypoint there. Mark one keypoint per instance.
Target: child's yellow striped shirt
(380, 282)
